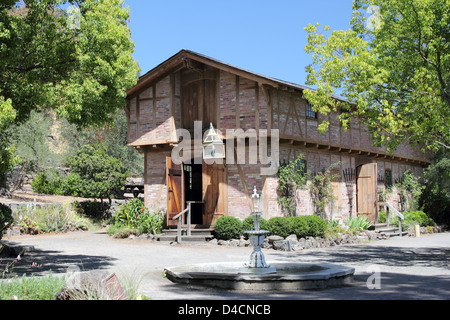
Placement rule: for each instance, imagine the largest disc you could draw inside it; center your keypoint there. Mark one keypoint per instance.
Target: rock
(214, 241)
(223, 242)
(372, 235)
(97, 284)
(275, 238)
(243, 243)
(293, 239)
(266, 245)
(282, 245)
(234, 243)
(363, 238)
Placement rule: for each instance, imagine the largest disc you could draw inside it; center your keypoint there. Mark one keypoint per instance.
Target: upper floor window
(310, 113)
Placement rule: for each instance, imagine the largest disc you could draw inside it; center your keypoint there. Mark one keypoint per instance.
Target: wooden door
(175, 190)
(214, 192)
(366, 190)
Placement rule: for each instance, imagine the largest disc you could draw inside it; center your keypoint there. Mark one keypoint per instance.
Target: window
(310, 113)
(388, 178)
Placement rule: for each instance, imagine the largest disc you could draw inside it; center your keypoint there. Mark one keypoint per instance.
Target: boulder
(282, 245)
(92, 285)
(274, 238)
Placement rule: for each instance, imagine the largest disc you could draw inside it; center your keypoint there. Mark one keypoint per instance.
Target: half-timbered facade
(191, 87)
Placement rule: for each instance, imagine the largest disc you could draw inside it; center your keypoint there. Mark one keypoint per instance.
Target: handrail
(180, 222)
(188, 220)
(180, 214)
(396, 212)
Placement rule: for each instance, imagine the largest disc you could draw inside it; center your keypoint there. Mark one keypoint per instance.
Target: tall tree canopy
(392, 68)
(73, 56)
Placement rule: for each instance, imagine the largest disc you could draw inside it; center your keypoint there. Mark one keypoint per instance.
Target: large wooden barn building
(191, 87)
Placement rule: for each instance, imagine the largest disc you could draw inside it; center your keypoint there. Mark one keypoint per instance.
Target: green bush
(302, 226)
(135, 216)
(420, 217)
(279, 226)
(71, 186)
(316, 226)
(100, 175)
(248, 224)
(47, 182)
(358, 223)
(412, 218)
(227, 228)
(93, 209)
(6, 218)
(299, 226)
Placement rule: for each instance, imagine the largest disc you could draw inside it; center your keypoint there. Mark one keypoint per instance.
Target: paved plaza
(397, 268)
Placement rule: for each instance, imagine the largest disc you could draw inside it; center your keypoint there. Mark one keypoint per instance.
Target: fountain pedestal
(257, 264)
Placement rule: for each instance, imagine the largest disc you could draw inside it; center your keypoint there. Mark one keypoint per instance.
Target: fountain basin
(288, 276)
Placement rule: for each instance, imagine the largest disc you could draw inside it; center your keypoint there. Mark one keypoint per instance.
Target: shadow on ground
(41, 262)
(393, 286)
(438, 257)
(398, 276)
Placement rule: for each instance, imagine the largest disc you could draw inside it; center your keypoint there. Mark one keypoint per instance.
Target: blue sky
(262, 36)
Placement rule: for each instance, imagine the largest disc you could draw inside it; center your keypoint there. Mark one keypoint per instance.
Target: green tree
(390, 68)
(435, 199)
(77, 61)
(7, 158)
(95, 174)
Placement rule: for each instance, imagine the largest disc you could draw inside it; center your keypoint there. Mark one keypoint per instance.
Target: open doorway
(193, 191)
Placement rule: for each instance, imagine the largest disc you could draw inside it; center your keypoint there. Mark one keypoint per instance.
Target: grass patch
(31, 288)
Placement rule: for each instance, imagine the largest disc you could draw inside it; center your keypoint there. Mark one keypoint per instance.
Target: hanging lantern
(213, 146)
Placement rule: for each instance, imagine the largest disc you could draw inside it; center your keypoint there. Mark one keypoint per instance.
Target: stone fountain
(257, 275)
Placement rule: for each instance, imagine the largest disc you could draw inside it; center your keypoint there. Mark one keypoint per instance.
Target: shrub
(47, 182)
(6, 218)
(100, 175)
(227, 228)
(50, 218)
(248, 224)
(71, 186)
(412, 218)
(135, 216)
(435, 199)
(420, 217)
(279, 226)
(93, 209)
(299, 226)
(358, 223)
(152, 223)
(316, 226)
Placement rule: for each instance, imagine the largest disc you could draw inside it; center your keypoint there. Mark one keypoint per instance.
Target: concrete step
(395, 233)
(387, 229)
(196, 232)
(192, 238)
